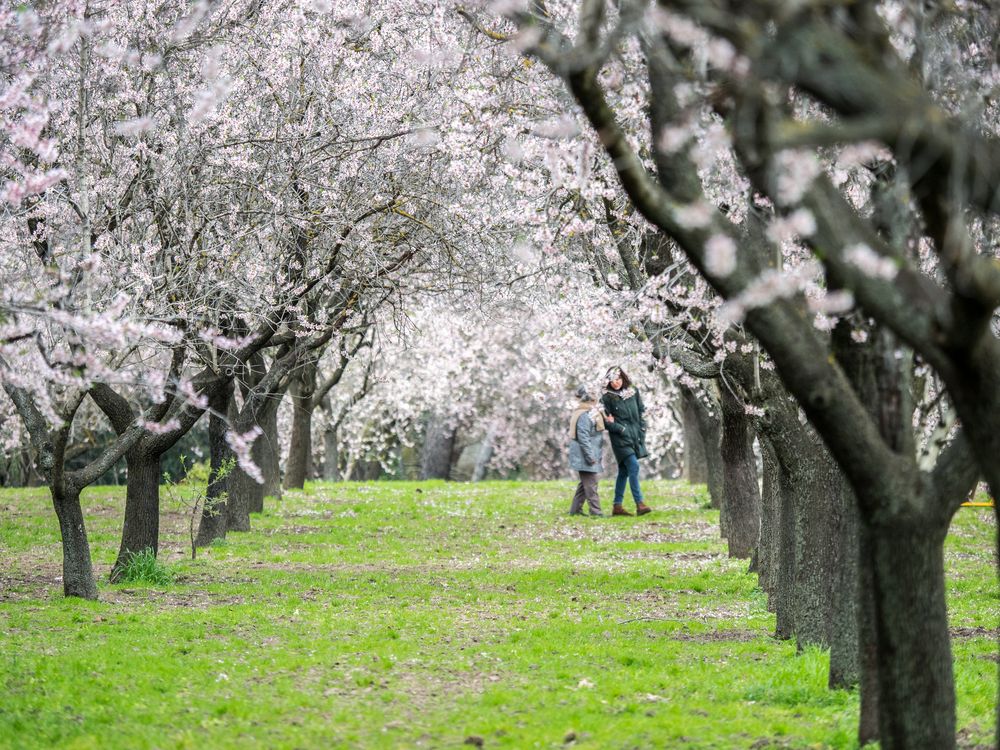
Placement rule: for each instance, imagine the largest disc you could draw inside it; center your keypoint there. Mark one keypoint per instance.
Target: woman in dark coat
(626, 424)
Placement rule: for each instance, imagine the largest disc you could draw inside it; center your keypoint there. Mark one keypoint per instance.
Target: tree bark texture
(695, 460)
(270, 452)
(741, 505)
(298, 467)
(768, 549)
(845, 633)
(141, 529)
(78, 571)
(868, 720)
(916, 682)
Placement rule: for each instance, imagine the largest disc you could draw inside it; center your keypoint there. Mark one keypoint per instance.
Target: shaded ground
(404, 615)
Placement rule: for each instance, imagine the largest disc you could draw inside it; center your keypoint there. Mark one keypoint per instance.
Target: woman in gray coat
(586, 448)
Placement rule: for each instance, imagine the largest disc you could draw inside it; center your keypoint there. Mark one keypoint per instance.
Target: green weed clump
(143, 567)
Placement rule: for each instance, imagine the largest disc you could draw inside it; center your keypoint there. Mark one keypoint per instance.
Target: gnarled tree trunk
(78, 571)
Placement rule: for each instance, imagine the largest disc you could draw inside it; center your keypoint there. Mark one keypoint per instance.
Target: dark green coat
(628, 431)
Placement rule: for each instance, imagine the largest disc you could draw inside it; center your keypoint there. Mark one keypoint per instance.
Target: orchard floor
(406, 615)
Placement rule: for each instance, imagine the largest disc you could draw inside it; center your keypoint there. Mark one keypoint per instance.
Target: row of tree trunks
(797, 526)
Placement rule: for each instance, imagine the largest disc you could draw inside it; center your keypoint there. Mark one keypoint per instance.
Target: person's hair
(626, 380)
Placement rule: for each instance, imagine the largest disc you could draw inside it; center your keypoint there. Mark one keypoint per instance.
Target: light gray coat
(586, 451)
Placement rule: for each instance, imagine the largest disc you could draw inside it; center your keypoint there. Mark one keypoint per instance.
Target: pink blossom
(794, 172)
(673, 138)
(215, 337)
(694, 215)
(134, 127)
(242, 446)
(195, 399)
(721, 54)
(720, 255)
(799, 223)
(508, 7)
(832, 303)
(157, 428)
(871, 263)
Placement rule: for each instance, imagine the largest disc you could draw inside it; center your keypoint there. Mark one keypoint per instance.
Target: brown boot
(619, 510)
(642, 509)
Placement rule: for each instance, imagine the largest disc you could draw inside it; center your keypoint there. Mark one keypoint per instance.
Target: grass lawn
(428, 615)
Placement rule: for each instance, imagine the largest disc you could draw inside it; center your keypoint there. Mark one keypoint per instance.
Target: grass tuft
(143, 567)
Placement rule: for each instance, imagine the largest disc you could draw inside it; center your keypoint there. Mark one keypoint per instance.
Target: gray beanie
(583, 394)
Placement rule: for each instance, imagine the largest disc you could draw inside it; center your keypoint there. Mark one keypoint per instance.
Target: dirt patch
(39, 583)
(169, 598)
(966, 739)
(716, 636)
(977, 632)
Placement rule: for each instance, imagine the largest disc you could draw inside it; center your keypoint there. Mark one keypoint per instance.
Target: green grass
(416, 615)
(144, 567)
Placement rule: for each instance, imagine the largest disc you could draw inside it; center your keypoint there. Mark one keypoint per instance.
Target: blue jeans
(628, 471)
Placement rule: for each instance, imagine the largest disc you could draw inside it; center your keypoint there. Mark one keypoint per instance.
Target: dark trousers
(586, 489)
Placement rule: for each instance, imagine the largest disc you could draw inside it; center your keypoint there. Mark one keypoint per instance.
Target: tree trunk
(712, 433)
(710, 427)
(298, 467)
(331, 455)
(916, 683)
(785, 590)
(770, 524)
(270, 452)
(485, 454)
(245, 493)
(814, 487)
(141, 529)
(695, 461)
(845, 639)
(868, 721)
(439, 444)
(741, 505)
(78, 571)
(213, 514)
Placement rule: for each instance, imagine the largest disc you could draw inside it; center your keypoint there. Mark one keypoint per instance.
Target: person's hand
(609, 418)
